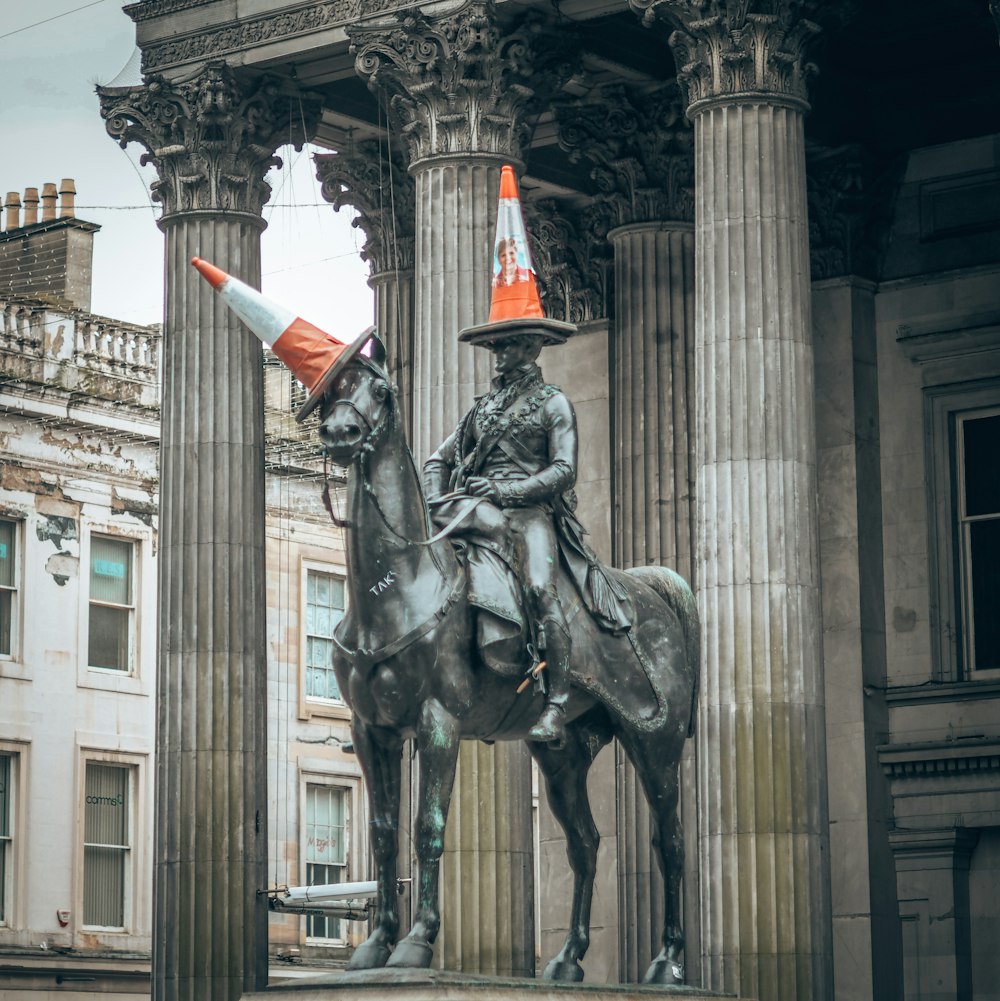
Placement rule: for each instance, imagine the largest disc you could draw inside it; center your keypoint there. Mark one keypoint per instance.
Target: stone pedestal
(435, 985)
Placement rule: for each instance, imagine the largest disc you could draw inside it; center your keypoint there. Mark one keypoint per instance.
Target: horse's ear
(378, 351)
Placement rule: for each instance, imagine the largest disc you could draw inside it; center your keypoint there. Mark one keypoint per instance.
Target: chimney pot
(67, 198)
(30, 206)
(48, 202)
(13, 206)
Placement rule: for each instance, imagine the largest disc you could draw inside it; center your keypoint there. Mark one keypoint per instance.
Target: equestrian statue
(476, 610)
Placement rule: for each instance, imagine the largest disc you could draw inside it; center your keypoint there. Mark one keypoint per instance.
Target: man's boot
(551, 725)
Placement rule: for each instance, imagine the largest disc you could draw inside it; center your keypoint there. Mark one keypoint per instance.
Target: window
(112, 609)
(107, 845)
(978, 502)
(6, 836)
(324, 609)
(8, 587)
(326, 851)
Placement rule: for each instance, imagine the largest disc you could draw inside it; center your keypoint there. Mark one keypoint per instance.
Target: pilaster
(211, 140)
(763, 782)
(463, 93)
(932, 875)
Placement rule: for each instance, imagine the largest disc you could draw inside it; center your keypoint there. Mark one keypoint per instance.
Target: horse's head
(356, 411)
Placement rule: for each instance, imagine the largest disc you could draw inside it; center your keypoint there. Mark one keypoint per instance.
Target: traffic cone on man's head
(515, 307)
(313, 356)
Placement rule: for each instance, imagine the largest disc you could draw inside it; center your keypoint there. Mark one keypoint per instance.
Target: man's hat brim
(340, 363)
(488, 334)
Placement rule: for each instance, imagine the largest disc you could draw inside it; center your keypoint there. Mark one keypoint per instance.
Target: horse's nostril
(352, 432)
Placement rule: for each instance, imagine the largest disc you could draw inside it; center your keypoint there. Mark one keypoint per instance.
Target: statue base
(445, 985)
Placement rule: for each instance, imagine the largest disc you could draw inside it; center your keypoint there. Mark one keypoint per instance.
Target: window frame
(130, 607)
(17, 590)
(355, 858)
(133, 764)
(13, 888)
(945, 407)
(139, 679)
(315, 705)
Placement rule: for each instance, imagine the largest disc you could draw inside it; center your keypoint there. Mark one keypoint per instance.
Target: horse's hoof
(369, 956)
(664, 972)
(569, 971)
(411, 955)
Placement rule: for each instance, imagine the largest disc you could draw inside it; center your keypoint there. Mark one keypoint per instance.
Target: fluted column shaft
(653, 421)
(763, 776)
(394, 319)
(209, 925)
(455, 227)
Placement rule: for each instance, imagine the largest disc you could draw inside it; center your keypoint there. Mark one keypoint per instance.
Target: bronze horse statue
(407, 660)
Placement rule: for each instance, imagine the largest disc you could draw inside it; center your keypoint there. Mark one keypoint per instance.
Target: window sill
(15, 669)
(325, 710)
(111, 681)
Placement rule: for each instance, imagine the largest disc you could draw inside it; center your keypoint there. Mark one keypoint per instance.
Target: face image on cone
(511, 263)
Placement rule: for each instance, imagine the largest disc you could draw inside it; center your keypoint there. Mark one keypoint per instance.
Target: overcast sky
(52, 129)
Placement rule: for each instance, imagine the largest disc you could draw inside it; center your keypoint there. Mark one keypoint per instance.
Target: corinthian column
(463, 94)
(764, 840)
(211, 141)
(640, 147)
(380, 189)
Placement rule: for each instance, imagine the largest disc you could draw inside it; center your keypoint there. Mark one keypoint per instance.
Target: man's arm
(437, 469)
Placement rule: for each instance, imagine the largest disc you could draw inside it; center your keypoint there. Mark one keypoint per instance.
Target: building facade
(786, 284)
(79, 603)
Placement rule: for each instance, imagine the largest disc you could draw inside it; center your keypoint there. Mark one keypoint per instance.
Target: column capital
(734, 51)
(641, 147)
(456, 82)
(211, 137)
(380, 188)
(574, 259)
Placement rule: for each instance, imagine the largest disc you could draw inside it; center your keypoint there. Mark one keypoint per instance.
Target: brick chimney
(51, 258)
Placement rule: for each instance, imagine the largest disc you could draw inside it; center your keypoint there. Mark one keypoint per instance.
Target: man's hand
(480, 486)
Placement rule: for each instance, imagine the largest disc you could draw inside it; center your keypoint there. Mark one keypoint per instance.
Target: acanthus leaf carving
(640, 146)
(210, 138)
(738, 49)
(456, 83)
(381, 190)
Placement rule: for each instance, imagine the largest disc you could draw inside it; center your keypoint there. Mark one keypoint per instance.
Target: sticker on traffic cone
(515, 306)
(313, 356)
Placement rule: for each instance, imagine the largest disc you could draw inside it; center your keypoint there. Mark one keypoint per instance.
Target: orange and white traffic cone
(313, 356)
(515, 306)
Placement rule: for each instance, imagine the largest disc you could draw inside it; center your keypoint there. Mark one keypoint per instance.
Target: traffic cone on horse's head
(313, 356)
(515, 307)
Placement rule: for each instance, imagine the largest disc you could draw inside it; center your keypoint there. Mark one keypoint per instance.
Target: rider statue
(517, 448)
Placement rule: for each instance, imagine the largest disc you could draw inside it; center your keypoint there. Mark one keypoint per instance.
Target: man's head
(513, 352)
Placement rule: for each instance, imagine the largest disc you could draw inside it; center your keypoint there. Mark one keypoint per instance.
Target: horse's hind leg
(656, 758)
(565, 770)
(381, 765)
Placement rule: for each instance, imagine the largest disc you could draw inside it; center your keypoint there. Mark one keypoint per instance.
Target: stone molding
(641, 147)
(738, 50)
(917, 850)
(211, 138)
(908, 761)
(240, 35)
(572, 257)
(456, 83)
(382, 193)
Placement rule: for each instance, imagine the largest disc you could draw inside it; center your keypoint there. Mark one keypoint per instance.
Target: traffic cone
(313, 356)
(515, 306)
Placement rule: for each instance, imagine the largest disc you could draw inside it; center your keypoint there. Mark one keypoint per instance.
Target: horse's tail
(674, 590)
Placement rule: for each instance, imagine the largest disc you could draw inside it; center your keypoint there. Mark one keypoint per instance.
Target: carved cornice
(573, 258)
(237, 36)
(382, 192)
(210, 138)
(738, 50)
(641, 148)
(850, 211)
(456, 83)
(914, 761)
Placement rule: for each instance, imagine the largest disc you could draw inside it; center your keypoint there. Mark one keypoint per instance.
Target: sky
(54, 54)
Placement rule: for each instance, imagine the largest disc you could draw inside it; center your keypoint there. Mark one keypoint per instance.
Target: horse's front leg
(437, 748)
(381, 764)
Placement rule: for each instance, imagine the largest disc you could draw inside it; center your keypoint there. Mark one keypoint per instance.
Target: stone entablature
(903, 761)
(79, 352)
